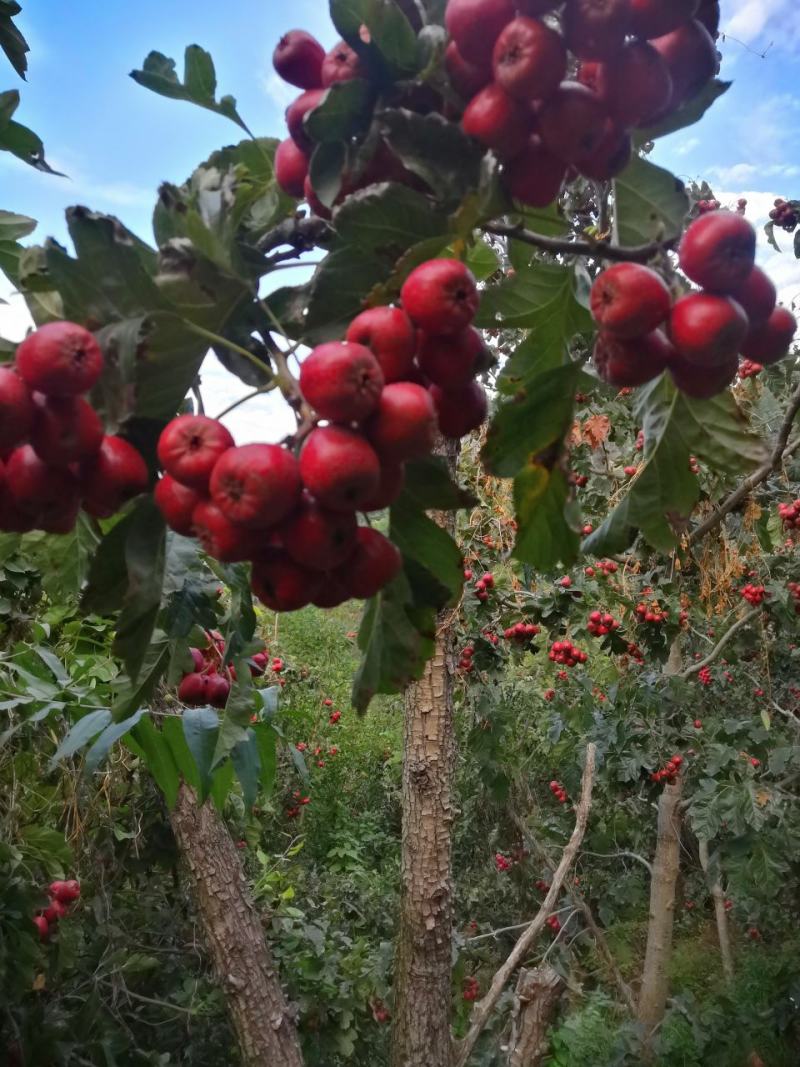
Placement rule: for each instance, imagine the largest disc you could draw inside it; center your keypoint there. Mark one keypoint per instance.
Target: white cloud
(761, 23)
(687, 146)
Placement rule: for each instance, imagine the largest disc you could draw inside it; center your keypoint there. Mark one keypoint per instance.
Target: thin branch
(301, 234)
(484, 1008)
(596, 249)
(718, 647)
(757, 477)
(261, 391)
(223, 342)
(614, 855)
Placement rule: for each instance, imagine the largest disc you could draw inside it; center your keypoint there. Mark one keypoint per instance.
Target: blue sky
(117, 142)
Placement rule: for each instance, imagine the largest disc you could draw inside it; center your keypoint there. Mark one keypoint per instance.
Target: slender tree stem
(595, 249)
(223, 342)
(261, 391)
(715, 651)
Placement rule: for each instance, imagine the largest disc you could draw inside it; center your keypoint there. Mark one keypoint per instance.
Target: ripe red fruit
(535, 7)
(635, 85)
(36, 488)
(65, 892)
(176, 502)
(529, 59)
(339, 467)
(296, 113)
(629, 363)
(116, 474)
(331, 593)
(42, 926)
(16, 409)
(611, 156)
(393, 478)
(572, 122)
(707, 329)
(55, 911)
(189, 447)
(256, 485)
(198, 660)
(653, 18)
(475, 25)
(283, 585)
(629, 300)
(770, 342)
(298, 59)
(341, 381)
(60, 359)
(291, 168)
(497, 120)
(534, 176)
(718, 251)
(466, 78)
(596, 29)
(691, 57)
(318, 538)
(451, 361)
(192, 690)
(460, 411)
(701, 382)
(404, 424)
(441, 296)
(65, 429)
(375, 562)
(221, 538)
(218, 689)
(341, 64)
(757, 296)
(389, 334)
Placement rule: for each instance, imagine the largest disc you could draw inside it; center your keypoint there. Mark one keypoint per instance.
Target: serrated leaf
(389, 30)
(433, 561)
(430, 486)
(326, 170)
(386, 220)
(650, 204)
(344, 112)
(540, 298)
(18, 139)
(200, 731)
(435, 150)
(545, 538)
(338, 292)
(687, 115)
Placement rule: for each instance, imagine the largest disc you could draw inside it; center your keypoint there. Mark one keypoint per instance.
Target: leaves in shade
(435, 150)
(199, 85)
(338, 292)
(153, 748)
(541, 298)
(689, 114)
(386, 220)
(545, 536)
(433, 560)
(650, 203)
(429, 485)
(11, 40)
(326, 170)
(391, 34)
(145, 557)
(18, 139)
(344, 112)
(81, 734)
(200, 731)
(108, 738)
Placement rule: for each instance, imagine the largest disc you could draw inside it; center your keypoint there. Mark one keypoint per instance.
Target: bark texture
(666, 865)
(723, 931)
(535, 1001)
(260, 1014)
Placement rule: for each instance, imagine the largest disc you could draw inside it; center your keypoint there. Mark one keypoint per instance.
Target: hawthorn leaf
(12, 41)
(545, 536)
(650, 203)
(687, 115)
(435, 150)
(343, 113)
(387, 219)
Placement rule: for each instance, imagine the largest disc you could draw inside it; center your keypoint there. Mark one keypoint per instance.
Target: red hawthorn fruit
(535, 7)
(654, 18)
(707, 329)
(341, 381)
(389, 334)
(193, 690)
(176, 502)
(331, 593)
(291, 168)
(466, 78)
(691, 57)
(629, 300)
(42, 926)
(701, 382)
(451, 361)
(189, 447)
(317, 538)
(375, 562)
(65, 892)
(497, 120)
(529, 59)
(282, 585)
(770, 342)
(611, 156)
(296, 113)
(475, 25)
(630, 363)
(218, 689)
(198, 660)
(256, 485)
(221, 538)
(341, 64)
(391, 484)
(36, 488)
(60, 359)
(339, 467)
(709, 15)
(298, 59)
(718, 251)
(16, 409)
(596, 29)
(534, 176)
(54, 912)
(757, 296)
(460, 411)
(66, 429)
(404, 424)
(441, 296)
(572, 122)
(635, 85)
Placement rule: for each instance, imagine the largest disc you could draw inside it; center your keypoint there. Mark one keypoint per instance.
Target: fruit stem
(223, 342)
(261, 391)
(596, 249)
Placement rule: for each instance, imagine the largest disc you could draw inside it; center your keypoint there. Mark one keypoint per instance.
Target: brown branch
(484, 1008)
(718, 647)
(595, 249)
(300, 233)
(757, 477)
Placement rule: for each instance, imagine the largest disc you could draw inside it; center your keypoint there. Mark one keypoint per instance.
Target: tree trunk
(723, 932)
(666, 864)
(260, 1014)
(535, 1001)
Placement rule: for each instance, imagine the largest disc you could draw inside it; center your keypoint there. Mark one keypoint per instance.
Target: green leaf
(221, 782)
(13, 226)
(18, 139)
(108, 738)
(687, 115)
(246, 760)
(172, 732)
(344, 112)
(81, 733)
(541, 298)
(199, 84)
(430, 486)
(200, 730)
(107, 582)
(266, 739)
(11, 40)
(139, 693)
(544, 536)
(53, 662)
(145, 556)
(389, 29)
(650, 204)
(435, 150)
(386, 220)
(338, 292)
(434, 563)
(482, 260)
(326, 170)
(154, 751)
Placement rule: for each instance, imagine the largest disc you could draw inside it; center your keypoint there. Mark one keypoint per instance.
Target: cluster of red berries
(295, 517)
(652, 613)
(580, 481)
(694, 465)
(465, 660)
(554, 923)
(567, 654)
(754, 594)
(629, 471)
(635, 652)
(669, 772)
(790, 515)
(471, 989)
(558, 791)
(208, 683)
(748, 368)
(521, 632)
(542, 886)
(482, 587)
(502, 863)
(549, 695)
(794, 589)
(600, 624)
(61, 894)
(704, 676)
(734, 313)
(54, 455)
(380, 1013)
(705, 206)
(605, 567)
(786, 214)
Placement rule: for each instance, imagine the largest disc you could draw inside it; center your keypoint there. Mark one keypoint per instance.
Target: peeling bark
(723, 931)
(535, 1001)
(259, 1011)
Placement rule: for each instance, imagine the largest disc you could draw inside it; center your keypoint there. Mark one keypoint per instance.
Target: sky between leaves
(117, 142)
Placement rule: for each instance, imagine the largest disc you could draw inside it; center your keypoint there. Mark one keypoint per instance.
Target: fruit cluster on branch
(62, 896)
